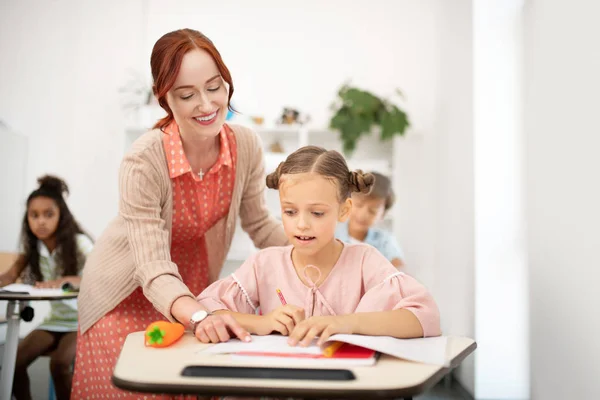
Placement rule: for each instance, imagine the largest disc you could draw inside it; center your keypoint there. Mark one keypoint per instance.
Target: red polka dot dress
(198, 203)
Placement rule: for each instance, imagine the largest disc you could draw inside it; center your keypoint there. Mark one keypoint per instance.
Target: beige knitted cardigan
(134, 250)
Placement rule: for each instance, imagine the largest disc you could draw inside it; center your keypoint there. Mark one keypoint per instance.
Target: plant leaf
(393, 122)
(358, 111)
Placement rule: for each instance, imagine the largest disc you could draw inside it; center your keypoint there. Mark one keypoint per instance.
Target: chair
(51, 392)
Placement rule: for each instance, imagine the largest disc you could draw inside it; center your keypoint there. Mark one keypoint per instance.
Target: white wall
(60, 76)
(300, 53)
(61, 91)
(563, 194)
(501, 297)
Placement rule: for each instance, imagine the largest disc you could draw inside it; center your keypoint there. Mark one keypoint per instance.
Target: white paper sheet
(424, 350)
(262, 344)
(21, 287)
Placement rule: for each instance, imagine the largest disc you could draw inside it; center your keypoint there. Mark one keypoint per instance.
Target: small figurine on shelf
(258, 120)
(291, 116)
(276, 147)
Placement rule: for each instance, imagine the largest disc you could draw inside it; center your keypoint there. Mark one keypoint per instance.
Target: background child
(367, 210)
(319, 286)
(54, 250)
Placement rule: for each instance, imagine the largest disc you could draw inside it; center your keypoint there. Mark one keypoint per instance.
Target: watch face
(199, 316)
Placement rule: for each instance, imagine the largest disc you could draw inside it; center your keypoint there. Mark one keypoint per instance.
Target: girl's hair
(165, 62)
(382, 189)
(327, 163)
(66, 245)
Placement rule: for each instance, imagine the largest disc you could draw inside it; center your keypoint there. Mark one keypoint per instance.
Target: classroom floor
(451, 390)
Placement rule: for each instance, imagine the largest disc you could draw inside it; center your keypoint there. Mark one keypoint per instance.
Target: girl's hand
(218, 328)
(49, 284)
(324, 327)
(283, 320)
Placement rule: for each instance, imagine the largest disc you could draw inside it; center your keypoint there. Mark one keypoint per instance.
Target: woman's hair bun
(360, 182)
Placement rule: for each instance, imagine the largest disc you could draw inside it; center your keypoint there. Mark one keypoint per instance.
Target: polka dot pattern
(197, 205)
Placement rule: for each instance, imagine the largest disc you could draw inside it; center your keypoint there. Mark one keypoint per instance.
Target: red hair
(165, 62)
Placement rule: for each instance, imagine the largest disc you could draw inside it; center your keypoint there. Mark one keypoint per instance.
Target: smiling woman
(189, 63)
(182, 187)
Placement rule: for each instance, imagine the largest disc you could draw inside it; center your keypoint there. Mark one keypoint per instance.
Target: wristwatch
(198, 317)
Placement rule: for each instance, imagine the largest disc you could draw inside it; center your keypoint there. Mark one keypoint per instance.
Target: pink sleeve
(238, 292)
(387, 289)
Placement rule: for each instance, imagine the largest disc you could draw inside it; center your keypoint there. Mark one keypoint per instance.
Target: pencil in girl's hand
(283, 302)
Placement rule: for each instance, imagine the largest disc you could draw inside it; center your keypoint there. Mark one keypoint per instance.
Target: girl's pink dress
(362, 280)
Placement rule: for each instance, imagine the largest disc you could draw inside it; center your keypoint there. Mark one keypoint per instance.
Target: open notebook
(358, 350)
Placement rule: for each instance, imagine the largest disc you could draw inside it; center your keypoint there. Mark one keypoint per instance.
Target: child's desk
(152, 370)
(13, 316)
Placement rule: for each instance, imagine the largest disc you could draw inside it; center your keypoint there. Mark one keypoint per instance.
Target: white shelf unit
(140, 121)
(370, 155)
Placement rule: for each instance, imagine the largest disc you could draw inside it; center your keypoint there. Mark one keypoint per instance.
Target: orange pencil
(330, 350)
(283, 302)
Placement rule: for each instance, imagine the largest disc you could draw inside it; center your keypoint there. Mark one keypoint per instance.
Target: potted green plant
(357, 112)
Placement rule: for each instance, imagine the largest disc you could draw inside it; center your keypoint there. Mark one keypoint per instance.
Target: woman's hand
(219, 328)
(324, 327)
(283, 320)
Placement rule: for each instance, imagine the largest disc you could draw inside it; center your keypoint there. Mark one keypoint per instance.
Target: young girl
(368, 209)
(54, 249)
(319, 286)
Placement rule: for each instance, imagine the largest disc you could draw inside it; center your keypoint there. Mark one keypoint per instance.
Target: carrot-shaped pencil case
(163, 333)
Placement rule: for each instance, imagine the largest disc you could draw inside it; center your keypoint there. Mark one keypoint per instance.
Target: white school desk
(13, 317)
(158, 370)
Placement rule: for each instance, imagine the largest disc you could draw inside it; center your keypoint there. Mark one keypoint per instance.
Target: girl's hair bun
(53, 184)
(360, 182)
(273, 178)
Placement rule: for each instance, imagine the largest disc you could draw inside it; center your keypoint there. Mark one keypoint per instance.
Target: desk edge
(307, 392)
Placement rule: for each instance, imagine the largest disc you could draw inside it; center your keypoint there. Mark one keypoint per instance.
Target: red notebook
(352, 351)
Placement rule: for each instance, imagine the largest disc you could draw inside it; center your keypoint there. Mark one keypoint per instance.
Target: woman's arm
(183, 308)
(142, 187)
(263, 228)
(14, 272)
